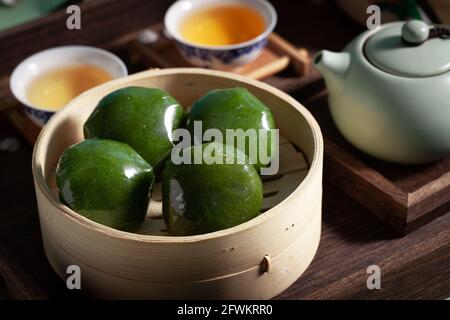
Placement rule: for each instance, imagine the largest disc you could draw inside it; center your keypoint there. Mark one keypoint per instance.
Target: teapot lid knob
(415, 32)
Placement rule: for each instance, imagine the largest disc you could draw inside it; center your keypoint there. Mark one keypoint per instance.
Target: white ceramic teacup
(55, 58)
(218, 57)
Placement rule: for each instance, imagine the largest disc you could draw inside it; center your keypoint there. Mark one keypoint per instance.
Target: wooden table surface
(415, 266)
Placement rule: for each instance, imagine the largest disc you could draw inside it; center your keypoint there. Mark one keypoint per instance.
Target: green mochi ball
(143, 118)
(206, 197)
(236, 108)
(105, 181)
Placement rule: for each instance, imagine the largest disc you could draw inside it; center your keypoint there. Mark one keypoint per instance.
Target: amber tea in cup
(222, 25)
(55, 88)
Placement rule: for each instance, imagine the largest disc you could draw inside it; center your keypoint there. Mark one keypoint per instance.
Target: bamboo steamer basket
(255, 260)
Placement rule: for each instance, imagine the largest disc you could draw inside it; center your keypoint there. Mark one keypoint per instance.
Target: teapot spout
(333, 67)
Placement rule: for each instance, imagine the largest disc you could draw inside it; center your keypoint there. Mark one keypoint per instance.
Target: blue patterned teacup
(225, 56)
(55, 58)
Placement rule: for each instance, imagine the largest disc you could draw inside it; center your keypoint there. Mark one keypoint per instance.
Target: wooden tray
(156, 50)
(405, 197)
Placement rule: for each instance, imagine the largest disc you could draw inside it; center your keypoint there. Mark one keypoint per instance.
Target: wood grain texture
(14, 283)
(412, 267)
(299, 57)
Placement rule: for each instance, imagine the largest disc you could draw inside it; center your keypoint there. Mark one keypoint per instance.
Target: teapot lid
(410, 49)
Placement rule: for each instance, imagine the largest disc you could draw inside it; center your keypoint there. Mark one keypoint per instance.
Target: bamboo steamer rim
(41, 183)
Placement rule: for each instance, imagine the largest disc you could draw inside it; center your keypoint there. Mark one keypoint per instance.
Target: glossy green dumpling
(236, 108)
(202, 198)
(143, 118)
(105, 181)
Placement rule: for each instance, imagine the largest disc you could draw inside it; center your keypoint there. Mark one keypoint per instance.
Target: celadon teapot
(389, 91)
